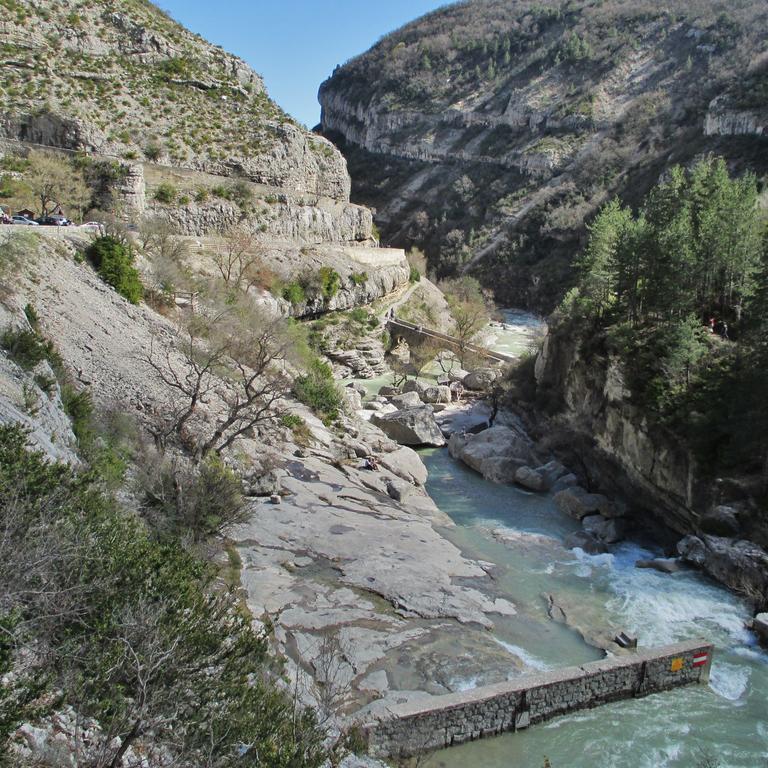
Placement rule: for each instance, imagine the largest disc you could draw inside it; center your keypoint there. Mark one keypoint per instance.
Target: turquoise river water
(723, 724)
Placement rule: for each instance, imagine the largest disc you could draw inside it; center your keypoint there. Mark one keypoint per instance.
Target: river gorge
(519, 537)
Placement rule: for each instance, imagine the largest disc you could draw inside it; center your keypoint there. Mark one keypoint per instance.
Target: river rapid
(519, 536)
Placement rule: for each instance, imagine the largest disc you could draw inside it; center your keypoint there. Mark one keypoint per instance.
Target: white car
(24, 220)
(92, 225)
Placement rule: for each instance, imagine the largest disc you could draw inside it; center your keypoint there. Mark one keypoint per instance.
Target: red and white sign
(700, 659)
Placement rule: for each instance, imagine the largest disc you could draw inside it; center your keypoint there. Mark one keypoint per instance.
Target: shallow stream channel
(518, 536)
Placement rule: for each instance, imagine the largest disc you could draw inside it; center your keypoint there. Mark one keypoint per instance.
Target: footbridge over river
(418, 334)
(442, 721)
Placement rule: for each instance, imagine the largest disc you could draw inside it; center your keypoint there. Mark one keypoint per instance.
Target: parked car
(54, 221)
(97, 225)
(24, 220)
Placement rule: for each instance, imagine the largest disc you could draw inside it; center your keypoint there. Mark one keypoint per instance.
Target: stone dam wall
(515, 704)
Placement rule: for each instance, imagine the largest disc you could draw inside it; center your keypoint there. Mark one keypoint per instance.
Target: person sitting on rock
(371, 463)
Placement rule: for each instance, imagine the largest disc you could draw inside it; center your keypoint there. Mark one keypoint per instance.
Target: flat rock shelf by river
(521, 534)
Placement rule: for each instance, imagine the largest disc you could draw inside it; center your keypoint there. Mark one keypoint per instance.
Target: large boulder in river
(481, 379)
(387, 391)
(760, 625)
(406, 400)
(530, 479)
(741, 565)
(496, 453)
(578, 503)
(541, 478)
(410, 426)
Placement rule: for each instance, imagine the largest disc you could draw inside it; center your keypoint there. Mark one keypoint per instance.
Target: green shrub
(414, 276)
(153, 151)
(106, 600)
(318, 390)
(113, 261)
(26, 348)
(359, 278)
(294, 292)
(166, 193)
(330, 282)
(193, 501)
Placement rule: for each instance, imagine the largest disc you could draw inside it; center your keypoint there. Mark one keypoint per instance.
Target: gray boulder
(352, 399)
(496, 453)
(406, 464)
(406, 400)
(608, 530)
(386, 391)
(586, 541)
(578, 503)
(481, 379)
(541, 478)
(359, 388)
(436, 395)
(566, 481)
(399, 490)
(414, 385)
(530, 479)
(410, 426)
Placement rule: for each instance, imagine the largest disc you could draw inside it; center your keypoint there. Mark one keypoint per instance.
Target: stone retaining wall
(456, 718)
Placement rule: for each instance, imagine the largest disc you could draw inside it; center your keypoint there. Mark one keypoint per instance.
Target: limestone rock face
(721, 521)
(139, 47)
(496, 453)
(410, 426)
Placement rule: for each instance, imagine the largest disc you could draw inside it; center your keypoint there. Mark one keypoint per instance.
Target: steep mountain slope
(488, 131)
(121, 78)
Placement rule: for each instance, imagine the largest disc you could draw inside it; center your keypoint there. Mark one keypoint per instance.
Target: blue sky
(295, 44)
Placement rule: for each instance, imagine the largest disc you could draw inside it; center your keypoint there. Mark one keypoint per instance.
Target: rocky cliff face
(487, 132)
(618, 448)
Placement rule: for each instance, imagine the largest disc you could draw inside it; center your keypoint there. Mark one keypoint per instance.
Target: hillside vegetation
(488, 132)
(679, 293)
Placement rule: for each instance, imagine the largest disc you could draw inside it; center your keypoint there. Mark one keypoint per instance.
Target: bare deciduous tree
(238, 260)
(231, 361)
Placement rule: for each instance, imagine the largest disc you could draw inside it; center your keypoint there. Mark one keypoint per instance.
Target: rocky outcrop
(496, 453)
(741, 565)
(411, 426)
(33, 399)
(724, 119)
